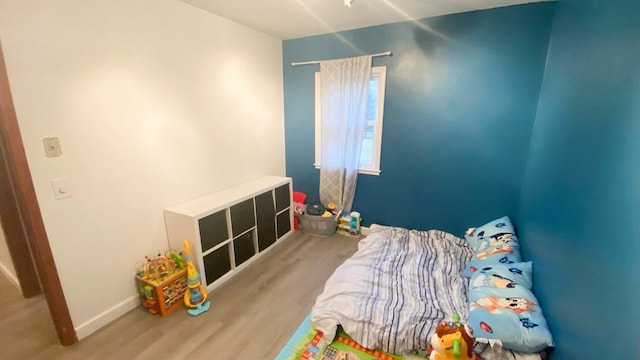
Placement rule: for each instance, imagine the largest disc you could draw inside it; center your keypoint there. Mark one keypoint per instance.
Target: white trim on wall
(12, 278)
(106, 317)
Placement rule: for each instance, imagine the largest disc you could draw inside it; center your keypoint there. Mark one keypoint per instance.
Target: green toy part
(456, 347)
(178, 260)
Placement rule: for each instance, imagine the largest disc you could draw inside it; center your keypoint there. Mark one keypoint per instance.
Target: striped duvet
(395, 289)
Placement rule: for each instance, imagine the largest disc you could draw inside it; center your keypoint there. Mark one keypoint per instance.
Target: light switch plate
(52, 146)
(61, 188)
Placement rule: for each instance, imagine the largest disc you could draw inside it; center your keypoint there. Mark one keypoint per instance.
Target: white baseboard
(106, 317)
(12, 278)
(131, 303)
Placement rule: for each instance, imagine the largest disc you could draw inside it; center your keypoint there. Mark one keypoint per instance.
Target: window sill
(360, 171)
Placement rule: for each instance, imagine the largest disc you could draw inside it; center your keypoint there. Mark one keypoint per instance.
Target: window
(372, 143)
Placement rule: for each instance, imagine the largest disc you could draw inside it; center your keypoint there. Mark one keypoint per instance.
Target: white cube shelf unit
(228, 229)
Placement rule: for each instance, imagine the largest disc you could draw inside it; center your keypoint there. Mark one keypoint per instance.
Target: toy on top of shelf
(195, 298)
(451, 341)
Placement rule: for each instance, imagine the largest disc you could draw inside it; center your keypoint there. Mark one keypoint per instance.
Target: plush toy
(451, 342)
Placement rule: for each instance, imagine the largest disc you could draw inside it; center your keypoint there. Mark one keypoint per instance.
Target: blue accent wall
(579, 218)
(461, 98)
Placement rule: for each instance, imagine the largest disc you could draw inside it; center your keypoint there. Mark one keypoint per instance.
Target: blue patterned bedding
(503, 307)
(392, 293)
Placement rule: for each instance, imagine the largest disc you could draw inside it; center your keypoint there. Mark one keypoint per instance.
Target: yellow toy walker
(195, 298)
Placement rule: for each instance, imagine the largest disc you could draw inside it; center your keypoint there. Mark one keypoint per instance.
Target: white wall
(155, 102)
(6, 265)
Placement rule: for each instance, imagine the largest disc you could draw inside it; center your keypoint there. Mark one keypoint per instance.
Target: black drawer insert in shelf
(243, 248)
(217, 263)
(266, 220)
(213, 230)
(242, 217)
(284, 223)
(283, 197)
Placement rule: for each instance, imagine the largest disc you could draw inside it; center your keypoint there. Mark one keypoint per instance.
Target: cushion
(492, 243)
(503, 276)
(511, 315)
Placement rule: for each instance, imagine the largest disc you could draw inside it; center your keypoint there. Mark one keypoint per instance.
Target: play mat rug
(303, 346)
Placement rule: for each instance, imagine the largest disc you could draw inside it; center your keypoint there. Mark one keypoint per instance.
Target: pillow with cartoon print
(494, 242)
(488, 230)
(511, 315)
(503, 276)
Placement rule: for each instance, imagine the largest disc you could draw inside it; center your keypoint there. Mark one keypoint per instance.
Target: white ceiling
(290, 19)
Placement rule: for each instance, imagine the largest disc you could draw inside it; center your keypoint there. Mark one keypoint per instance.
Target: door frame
(15, 234)
(29, 211)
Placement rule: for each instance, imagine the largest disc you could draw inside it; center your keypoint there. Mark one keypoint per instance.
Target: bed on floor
(400, 284)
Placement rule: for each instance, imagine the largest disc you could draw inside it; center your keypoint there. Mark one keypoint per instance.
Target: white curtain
(344, 86)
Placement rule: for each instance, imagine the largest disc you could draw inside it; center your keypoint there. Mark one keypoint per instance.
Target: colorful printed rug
(303, 345)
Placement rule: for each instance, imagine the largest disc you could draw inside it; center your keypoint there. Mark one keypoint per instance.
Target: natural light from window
(372, 142)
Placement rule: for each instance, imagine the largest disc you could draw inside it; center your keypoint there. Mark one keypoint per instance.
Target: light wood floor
(253, 314)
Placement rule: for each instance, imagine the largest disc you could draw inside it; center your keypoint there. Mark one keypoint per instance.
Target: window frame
(369, 169)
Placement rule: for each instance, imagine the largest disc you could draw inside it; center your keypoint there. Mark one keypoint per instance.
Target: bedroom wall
(578, 218)
(155, 102)
(460, 103)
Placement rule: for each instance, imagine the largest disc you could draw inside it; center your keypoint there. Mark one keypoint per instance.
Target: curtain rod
(386, 53)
